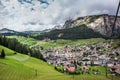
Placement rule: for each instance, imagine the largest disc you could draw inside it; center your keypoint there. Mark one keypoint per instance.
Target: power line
(114, 24)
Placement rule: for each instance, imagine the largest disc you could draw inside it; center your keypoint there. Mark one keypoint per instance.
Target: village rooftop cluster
(100, 54)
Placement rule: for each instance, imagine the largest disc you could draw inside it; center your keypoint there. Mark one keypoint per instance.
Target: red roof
(70, 69)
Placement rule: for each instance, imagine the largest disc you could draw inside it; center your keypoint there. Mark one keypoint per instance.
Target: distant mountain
(31, 32)
(5, 30)
(8, 32)
(37, 32)
(86, 27)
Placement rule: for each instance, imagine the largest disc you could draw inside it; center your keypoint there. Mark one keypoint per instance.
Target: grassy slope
(62, 43)
(23, 67)
(57, 43)
(24, 40)
(8, 51)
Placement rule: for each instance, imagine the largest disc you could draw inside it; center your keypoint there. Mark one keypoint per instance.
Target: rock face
(99, 23)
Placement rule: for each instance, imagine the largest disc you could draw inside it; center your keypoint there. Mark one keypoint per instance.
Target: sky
(37, 15)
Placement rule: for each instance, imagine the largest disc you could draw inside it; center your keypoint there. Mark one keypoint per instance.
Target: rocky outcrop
(99, 23)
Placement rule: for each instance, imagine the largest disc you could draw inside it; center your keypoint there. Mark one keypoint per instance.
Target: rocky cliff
(99, 23)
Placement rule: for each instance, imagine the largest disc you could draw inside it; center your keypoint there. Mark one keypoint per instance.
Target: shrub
(15, 53)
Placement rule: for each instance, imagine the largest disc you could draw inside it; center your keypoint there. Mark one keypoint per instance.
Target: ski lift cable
(114, 24)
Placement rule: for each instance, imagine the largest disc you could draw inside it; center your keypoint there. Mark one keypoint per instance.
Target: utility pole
(36, 72)
(106, 69)
(114, 24)
(73, 77)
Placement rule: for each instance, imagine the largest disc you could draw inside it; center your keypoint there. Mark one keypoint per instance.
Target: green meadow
(24, 40)
(56, 43)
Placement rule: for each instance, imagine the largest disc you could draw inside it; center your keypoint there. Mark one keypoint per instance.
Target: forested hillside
(79, 32)
(15, 45)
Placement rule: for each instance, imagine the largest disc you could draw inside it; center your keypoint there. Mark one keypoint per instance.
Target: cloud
(25, 15)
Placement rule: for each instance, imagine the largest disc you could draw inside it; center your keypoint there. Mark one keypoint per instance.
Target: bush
(15, 53)
(77, 72)
(59, 69)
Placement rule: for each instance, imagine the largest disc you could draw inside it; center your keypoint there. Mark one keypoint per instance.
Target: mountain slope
(99, 23)
(78, 32)
(86, 27)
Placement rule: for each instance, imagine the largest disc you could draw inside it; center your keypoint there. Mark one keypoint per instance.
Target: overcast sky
(24, 15)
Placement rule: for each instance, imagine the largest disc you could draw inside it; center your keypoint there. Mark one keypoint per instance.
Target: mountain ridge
(5, 30)
(100, 23)
(94, 26)
(9, 32)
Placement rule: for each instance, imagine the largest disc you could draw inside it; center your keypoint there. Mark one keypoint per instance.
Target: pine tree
(2, 54)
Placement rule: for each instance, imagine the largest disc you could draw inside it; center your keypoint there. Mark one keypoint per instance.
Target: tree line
(15, 45)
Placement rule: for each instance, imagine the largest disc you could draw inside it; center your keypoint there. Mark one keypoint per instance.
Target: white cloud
(38, 15)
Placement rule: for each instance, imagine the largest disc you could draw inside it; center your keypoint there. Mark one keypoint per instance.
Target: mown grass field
(22, 67)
